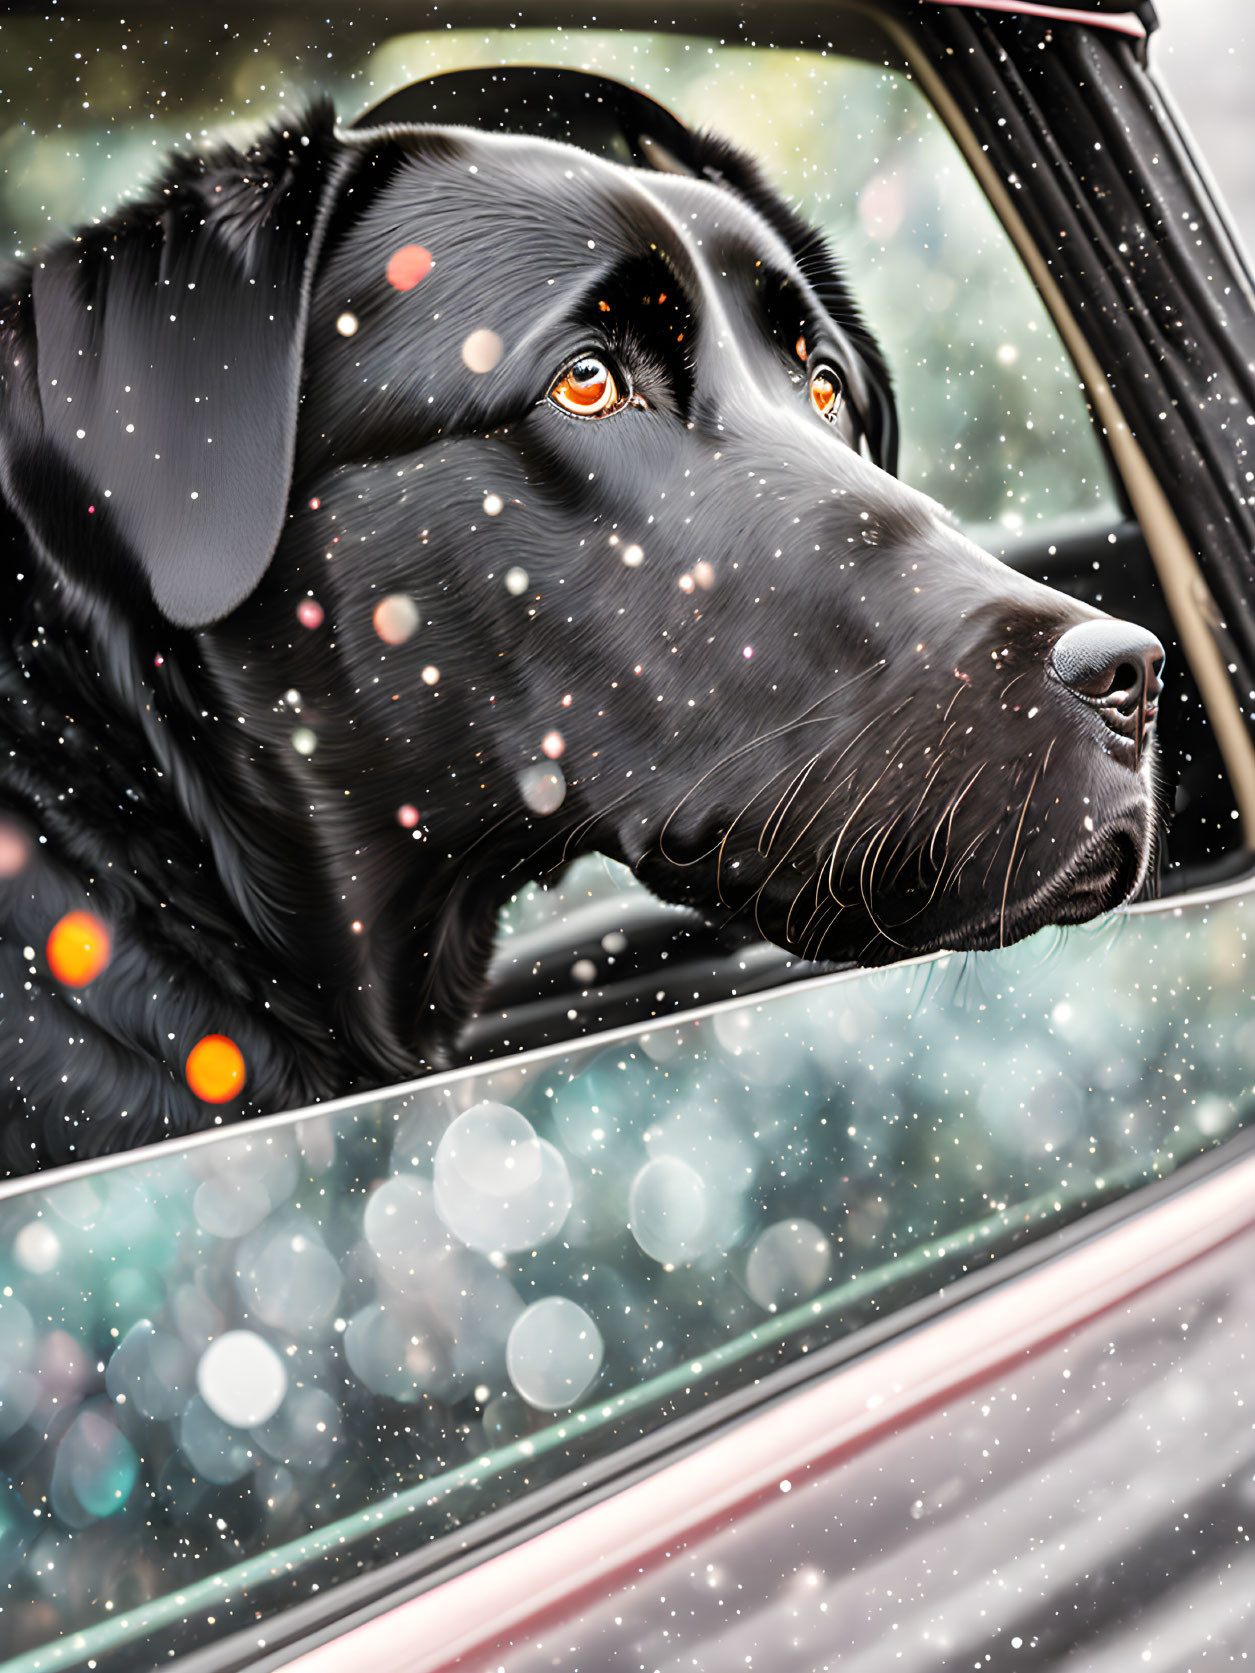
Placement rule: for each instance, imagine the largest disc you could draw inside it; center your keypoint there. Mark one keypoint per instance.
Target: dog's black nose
(1116, 668)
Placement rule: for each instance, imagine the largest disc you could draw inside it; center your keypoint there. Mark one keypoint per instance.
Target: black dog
(392, 512)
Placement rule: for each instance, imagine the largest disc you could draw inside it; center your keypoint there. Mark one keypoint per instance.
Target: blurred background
(1205, 52)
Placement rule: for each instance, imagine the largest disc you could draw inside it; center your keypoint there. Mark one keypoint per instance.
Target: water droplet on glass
(216, 1450)
(305, 1431)
(553, 1353)
(152, 1370)
(667, 1210)
(492, 1147)
(788, 1263)
(498, 1186)
(37, 1248)
(288, 1278)
(402, 1227)
(96, 1468)
(230, 1205)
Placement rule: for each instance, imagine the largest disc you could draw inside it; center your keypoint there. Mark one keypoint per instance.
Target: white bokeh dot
(241, 1378)
(543, 788)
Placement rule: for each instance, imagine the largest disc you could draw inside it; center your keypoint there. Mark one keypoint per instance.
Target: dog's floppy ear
(150, 372)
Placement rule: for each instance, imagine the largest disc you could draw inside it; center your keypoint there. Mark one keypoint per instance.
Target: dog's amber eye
(826, 392)
(588, 389)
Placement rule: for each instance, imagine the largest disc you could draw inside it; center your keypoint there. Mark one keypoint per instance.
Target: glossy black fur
(848, 735)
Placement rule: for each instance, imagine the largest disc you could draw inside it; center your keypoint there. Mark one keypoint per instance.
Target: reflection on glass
(271, 1358)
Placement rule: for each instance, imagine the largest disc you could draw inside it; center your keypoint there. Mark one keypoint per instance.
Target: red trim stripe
(1124, 23)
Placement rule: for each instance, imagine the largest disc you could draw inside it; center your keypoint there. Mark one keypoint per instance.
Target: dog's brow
(653, 275)
(644, 220)
(792, 305)
(668, 238)
(717, 208)
(645, 304)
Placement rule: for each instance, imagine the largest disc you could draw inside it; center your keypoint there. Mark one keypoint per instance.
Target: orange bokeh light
(78, 949)
(409, 266)
(215, 1069)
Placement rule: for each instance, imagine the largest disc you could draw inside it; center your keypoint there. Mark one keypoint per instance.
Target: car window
(247, 1367)
(238, 1371)
(991, 406)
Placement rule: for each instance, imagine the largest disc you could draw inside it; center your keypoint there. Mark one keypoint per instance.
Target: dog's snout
(1117, 668)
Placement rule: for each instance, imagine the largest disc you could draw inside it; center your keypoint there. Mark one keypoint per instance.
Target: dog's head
(512, 502)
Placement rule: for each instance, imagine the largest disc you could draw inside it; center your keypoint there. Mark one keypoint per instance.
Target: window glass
(994, 423)
(246, 1367)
